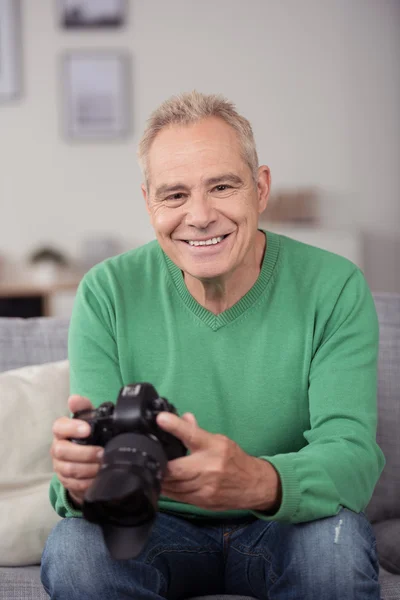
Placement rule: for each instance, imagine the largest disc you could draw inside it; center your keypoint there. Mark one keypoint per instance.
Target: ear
(263, 187)
(145, 196)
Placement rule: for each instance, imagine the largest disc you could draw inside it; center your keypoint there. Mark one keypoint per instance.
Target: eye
(177, 196)
(222, 187)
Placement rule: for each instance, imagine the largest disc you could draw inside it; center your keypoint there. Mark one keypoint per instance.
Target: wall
(319, 81)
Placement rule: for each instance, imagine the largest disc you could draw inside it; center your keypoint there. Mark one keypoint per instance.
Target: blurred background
(319, 80)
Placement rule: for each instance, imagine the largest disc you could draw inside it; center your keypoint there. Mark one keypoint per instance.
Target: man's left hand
(218, 475)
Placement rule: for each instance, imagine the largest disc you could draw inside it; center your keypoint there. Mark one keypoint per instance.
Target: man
(268, 349)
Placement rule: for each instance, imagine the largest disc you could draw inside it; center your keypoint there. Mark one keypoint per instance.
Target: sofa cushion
(390, 585)
(21, 584)
(385, 502)
(388, 543)
(32, 341)
(24, 584)
(31, 399)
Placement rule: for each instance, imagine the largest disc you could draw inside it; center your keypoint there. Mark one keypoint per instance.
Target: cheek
(250, 210)
(241, 210)
(165, 220)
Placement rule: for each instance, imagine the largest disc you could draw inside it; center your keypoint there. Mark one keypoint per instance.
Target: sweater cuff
(71, 511)
(290, 490)
(60, 501)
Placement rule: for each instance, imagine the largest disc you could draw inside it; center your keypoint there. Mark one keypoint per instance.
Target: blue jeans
(329, 559)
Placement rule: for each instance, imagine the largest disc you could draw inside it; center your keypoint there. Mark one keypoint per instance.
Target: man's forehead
(205, 155)
(181, 150)
(190, 174)
(208, 134)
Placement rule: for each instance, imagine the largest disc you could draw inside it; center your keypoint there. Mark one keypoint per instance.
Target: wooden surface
(25, 282)
(55, 287)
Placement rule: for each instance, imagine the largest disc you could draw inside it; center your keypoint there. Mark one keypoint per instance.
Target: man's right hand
(76, 466)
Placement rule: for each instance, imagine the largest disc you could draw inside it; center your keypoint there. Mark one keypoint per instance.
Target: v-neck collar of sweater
(227, 316)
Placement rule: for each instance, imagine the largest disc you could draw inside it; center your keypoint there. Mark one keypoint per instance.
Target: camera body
(135, 411)
(123, 498)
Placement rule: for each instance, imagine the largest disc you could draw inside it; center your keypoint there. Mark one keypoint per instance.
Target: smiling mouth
(210, 242)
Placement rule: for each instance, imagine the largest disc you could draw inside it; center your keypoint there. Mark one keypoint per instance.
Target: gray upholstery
(37, 341)
(32, 341)
(390, 586)
(387, 535)
(385, 503)
(18, 583)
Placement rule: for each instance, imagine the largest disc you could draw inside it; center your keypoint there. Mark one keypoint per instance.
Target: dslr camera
(123, 497)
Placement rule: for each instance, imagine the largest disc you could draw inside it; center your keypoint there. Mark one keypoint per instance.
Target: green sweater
(289, 372)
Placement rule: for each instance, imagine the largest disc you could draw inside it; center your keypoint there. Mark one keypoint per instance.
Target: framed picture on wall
(10, 49)
(91, 14)
(95, 88)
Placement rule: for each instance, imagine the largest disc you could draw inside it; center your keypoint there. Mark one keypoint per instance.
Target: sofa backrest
(32, 341)
(37, 341)
(385, 503)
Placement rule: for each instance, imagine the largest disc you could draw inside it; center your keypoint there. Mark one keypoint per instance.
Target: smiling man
(268, 349)
(204, 201)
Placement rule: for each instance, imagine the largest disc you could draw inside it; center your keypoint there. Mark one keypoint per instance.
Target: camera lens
(126, 489)
(121, 497)
(130, 511)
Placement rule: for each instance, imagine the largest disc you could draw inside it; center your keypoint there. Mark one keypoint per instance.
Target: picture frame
(10, 42)
(96, 92)
(91, 14)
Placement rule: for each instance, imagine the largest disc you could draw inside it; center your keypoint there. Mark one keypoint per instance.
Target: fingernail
(83, 429)
(100, 454)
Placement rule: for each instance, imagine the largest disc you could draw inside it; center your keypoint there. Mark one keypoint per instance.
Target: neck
(220, 293)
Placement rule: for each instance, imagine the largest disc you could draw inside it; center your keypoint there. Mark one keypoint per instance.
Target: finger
(182, 487)
(76, 402)
(186, 468)
(64, 428)
(189, 418)
(69, 452)
(76, 486)
(73, 470)
(192, 436)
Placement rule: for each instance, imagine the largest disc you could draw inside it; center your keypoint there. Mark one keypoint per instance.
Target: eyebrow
(229, 177)
(178, 187)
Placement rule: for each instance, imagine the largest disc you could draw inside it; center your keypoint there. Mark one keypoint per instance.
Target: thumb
(76, 402)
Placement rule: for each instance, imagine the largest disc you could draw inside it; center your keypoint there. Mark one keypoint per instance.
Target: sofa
(44, 340)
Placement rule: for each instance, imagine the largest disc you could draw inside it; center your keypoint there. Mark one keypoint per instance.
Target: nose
(201, 213)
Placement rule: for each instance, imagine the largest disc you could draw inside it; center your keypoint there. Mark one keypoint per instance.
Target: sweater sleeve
(341, 462)
(93, 358)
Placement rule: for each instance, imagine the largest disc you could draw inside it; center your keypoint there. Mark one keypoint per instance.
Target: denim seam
(163, 582)
(235, 528)
(226, 538)
(242, 550)
(153, 555)
(47, 590)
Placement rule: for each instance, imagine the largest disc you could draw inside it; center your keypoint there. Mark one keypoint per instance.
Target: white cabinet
(346, 243)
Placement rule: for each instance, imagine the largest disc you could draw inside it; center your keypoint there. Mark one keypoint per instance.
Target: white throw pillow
(31, 398)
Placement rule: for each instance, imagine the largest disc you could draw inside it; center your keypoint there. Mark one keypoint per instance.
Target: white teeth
(209, 242)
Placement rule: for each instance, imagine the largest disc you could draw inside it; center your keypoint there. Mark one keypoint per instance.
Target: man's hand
(76, 466)
(218, 475)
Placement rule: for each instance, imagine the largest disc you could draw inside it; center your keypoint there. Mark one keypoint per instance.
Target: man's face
(201, 190)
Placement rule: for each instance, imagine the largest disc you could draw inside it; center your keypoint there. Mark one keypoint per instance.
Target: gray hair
(189, 108)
